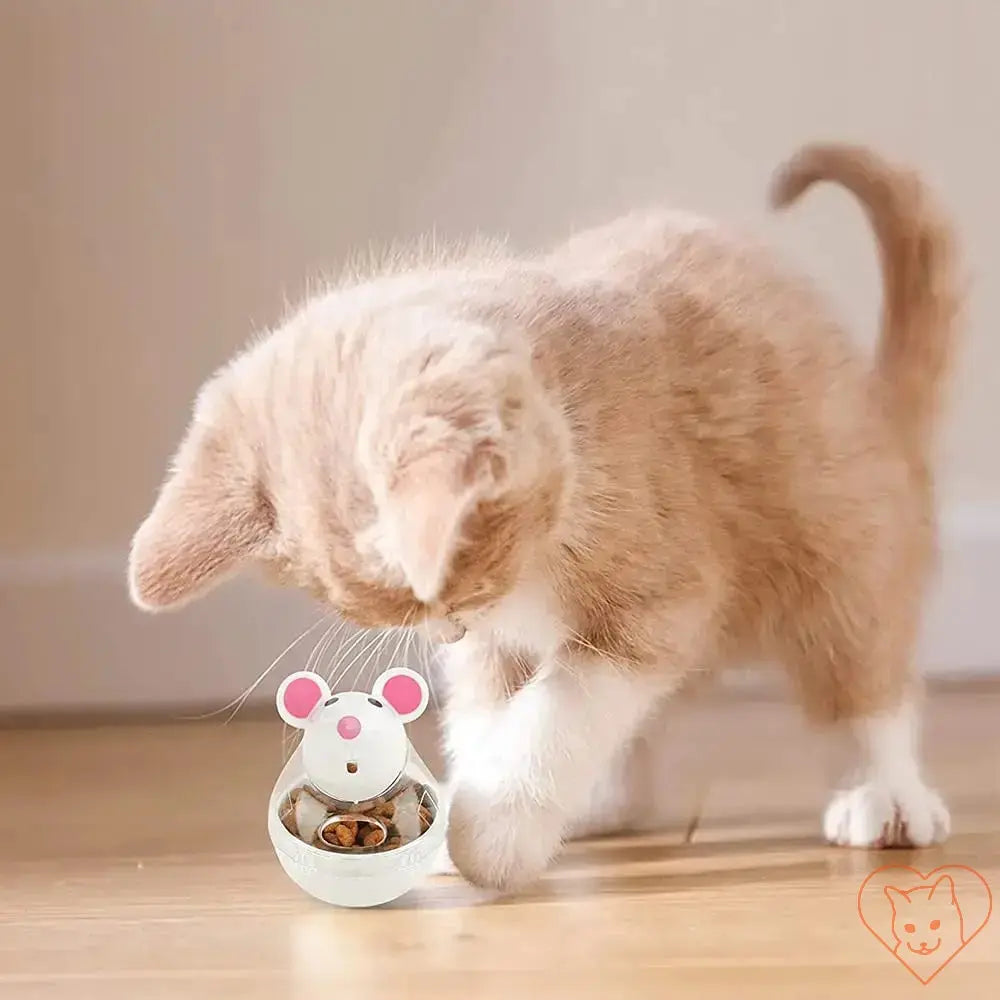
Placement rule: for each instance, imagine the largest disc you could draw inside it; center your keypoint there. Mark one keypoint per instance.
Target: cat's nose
(349, 727)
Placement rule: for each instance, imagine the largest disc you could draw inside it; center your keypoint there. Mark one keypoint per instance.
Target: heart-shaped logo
(925, 920)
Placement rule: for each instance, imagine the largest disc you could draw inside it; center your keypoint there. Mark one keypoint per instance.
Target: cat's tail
(921, 296)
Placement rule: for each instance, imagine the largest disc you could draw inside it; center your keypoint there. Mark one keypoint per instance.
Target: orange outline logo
(925, 921)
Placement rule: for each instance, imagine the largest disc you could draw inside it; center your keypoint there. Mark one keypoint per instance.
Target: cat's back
(684, 338)
(669, 305)
(695, 278)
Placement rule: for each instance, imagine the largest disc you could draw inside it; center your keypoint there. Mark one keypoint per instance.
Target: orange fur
(653, 427)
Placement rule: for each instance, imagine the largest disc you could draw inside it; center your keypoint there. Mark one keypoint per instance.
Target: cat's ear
(210, 517)
(943, 890)
(465, 431)
(422, 516)
(896, 896)
(431, 475)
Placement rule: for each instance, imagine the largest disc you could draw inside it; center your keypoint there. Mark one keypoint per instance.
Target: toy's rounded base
(355, 880)
(362, 878)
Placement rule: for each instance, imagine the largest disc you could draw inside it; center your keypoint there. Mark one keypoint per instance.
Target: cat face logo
(925, 920)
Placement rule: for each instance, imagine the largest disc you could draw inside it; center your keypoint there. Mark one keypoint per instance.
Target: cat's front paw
(500, 843)
(871, 815)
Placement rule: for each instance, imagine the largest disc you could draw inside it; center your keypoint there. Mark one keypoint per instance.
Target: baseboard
(72, 641)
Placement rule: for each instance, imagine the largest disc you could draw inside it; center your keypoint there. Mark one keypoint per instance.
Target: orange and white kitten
(646, 453)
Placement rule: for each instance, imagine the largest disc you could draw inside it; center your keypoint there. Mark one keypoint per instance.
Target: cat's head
(926, 920)
(399, 463)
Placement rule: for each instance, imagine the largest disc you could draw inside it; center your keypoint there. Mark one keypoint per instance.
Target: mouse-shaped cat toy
(355, 815)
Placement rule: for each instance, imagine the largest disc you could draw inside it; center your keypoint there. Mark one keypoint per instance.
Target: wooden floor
(135, 865)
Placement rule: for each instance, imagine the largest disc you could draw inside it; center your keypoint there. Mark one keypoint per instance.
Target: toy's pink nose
(349, 727)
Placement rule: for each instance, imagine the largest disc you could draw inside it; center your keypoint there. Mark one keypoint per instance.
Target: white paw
(872, 815)
(499, 843)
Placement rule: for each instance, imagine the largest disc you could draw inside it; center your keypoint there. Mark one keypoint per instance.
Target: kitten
(645, 454)
(927, 925)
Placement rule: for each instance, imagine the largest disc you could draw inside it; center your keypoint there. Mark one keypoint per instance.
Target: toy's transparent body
(356, 853)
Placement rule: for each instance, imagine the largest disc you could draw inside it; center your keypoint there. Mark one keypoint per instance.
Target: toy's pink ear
(405, 691)
(299, 696)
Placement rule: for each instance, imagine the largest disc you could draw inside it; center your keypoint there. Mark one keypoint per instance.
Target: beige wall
(173, 169)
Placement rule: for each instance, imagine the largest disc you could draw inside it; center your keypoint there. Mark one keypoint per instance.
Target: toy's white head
(354, 746)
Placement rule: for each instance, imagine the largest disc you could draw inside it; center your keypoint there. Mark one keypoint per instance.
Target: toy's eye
(375, 702)
(330, 701)
(909, 928)
(935, 924)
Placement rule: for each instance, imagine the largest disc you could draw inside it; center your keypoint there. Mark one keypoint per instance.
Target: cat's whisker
(375, 663)
(403, 633)
(328, 642)
(369, 637)
(404, 643)
(361, 636)
(522, 666)
(616, 662)
(323, 638)
(311, 659)
(579, 638)
(427, 666)
(331, 644)
(416, 645)
(408, 648)
(378, 639)
(378, 646)
(397, 632)
(238, 702)
(402, 654)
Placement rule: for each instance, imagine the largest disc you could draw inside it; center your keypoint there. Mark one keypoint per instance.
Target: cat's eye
(909, 928)
(375, 702)
(330, 701)
(935, 924)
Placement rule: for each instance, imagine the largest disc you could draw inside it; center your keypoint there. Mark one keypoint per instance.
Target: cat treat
(354, 817)
(388, 821)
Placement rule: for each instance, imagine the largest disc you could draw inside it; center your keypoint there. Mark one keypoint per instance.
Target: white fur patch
(524, 770)
(527, 619)
(893, 807)
(870, 815)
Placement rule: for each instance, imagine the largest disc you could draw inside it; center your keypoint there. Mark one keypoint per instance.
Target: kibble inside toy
(355, 815)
